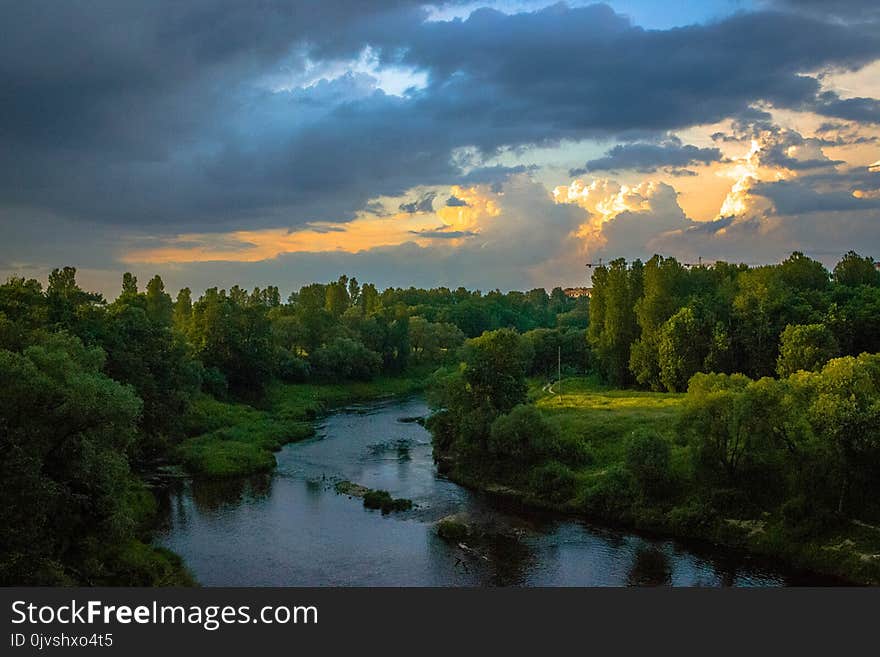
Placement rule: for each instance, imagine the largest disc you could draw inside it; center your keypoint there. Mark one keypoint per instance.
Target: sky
(497, 144)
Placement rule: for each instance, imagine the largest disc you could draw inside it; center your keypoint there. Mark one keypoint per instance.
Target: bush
(554, 483)
(805, 347)
(803, 518)
(612, 496)
(693, 519)
(381, 499)
(214, 383)
(291, 368)
(346, 359)
(523, 435)
(453, 529)
(647, 461)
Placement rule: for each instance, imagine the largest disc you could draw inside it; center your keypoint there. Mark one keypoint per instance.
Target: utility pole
(559, 372)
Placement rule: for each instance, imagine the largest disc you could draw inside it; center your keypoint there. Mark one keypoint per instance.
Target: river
(292, 528)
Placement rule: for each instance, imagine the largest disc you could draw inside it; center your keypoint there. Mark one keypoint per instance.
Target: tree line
(656, 324)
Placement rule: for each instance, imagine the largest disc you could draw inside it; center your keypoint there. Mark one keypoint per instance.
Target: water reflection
(650, 567)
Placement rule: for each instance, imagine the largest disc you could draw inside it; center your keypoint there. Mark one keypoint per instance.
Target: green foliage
(523, 436)
(383, 501)
(554, 482)
(489, 383)
(611, 495)
(345, 359)
(495, 369)
(647, 461)
(232, 333)
(684, 344)
(659, 323)
(433, 342)
(552, 348)
(613, 322)
(453, 529)
(854, 270)
(805, 347)
(64, 431)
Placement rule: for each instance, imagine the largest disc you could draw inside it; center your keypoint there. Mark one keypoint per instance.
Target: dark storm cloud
(455, 202)
(648, 157)
(495, 175)
(425, 203)
(865, 110)
(800, 198)
(566, 73)
(440, 233)
(153, 114)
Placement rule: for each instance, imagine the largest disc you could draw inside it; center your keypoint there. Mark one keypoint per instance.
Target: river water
(292, 528)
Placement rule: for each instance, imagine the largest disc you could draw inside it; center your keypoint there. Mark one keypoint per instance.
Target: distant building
(575, 292)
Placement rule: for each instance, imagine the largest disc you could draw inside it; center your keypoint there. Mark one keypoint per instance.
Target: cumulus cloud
(258, 129)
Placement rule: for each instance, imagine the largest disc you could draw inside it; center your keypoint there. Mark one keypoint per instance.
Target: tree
(235, 337)
(683, 345)
(159, 306)
(183, 311)
(738, 429)
(647, 460)
(613, 324)
(845, 413)
(495, 368)
(801, 273)
(805, 347)
(129, 284)
(761, 308)
(489, 383)
(64, 431)
(523, 436)
(854, 270)
(345, 359)
(664, 282)
(433, 342)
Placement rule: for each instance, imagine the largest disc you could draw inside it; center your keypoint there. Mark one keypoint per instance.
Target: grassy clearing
(228, 439)
(604, 418)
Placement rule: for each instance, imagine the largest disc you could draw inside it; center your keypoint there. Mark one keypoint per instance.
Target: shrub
(805, 347)
(346, 359)
(214, 383)
(612, 495)
(291, 368)
(382, 500)
(524, 435)
(696, 518)
(452, 529)
(554, 483)
(647, 461)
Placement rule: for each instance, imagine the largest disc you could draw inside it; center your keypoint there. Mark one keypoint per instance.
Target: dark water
(292, 528)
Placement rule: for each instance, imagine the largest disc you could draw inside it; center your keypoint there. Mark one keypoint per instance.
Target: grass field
(604, 418)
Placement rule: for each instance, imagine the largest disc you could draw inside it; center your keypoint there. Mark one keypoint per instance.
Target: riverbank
(304, 527)
(600, 489)
(230, 439)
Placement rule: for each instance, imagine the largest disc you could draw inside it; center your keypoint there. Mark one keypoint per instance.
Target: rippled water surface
(292, 528)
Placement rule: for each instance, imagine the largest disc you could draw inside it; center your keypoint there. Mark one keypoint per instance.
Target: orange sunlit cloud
(366, 232)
